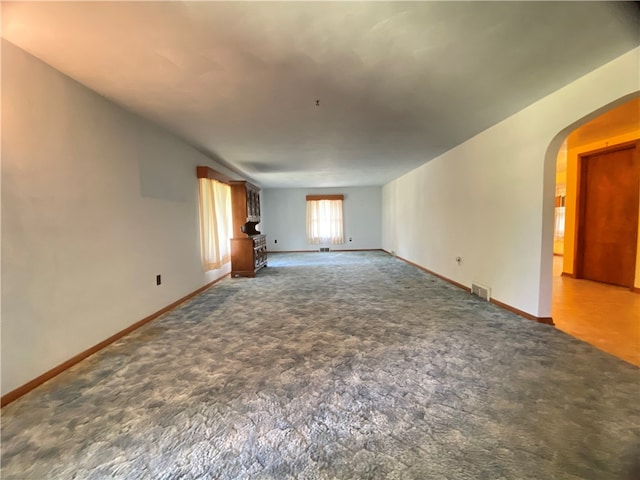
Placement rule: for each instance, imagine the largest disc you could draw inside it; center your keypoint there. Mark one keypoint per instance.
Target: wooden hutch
(248, 246)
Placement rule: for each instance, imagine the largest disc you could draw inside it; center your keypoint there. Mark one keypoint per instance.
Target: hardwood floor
(605, 316)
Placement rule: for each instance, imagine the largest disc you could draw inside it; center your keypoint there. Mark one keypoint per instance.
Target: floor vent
(324, 249)
(481, 291)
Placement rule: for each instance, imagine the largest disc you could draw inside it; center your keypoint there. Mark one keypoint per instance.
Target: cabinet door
(242, 256)
(249, 204)
(253, 204)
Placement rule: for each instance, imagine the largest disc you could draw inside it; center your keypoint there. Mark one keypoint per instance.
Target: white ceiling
(398, 83)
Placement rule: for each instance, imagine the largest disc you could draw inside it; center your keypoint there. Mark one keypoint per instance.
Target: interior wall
(490, 200)
(574, 151)
(95, 203)
(285, 213)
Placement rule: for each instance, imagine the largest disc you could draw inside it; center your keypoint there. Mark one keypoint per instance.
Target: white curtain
(324, 221)
(561, 192)
(558, 233)
(215, 223)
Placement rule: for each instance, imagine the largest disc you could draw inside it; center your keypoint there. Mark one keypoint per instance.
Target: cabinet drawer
(259, 241)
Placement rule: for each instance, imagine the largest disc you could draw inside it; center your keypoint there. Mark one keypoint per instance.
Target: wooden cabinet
(248, 246)
(248, 255)
(245, 206)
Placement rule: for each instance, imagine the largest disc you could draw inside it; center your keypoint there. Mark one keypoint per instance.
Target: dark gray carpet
(333, 366)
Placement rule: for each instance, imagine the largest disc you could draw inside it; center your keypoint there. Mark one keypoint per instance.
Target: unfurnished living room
(320, 240)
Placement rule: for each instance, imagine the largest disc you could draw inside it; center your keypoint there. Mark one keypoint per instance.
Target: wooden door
(608, 215)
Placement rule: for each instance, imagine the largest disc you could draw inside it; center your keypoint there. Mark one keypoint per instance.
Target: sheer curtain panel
(324, 219)
(215, 223)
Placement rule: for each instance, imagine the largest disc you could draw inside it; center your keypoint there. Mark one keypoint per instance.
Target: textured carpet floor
(332, 366)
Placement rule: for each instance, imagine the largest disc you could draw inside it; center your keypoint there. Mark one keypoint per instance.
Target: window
(324, 219)
(561, 192)
(215, 218)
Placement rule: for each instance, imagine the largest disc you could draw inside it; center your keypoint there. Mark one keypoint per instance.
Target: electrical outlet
(158, 279)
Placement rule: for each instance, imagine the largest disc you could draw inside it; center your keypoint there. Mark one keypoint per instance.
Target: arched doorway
(590, 307)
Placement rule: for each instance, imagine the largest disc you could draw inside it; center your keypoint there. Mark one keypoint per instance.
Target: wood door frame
(578, 247)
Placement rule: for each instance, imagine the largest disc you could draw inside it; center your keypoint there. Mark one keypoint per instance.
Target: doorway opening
(596, 270)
